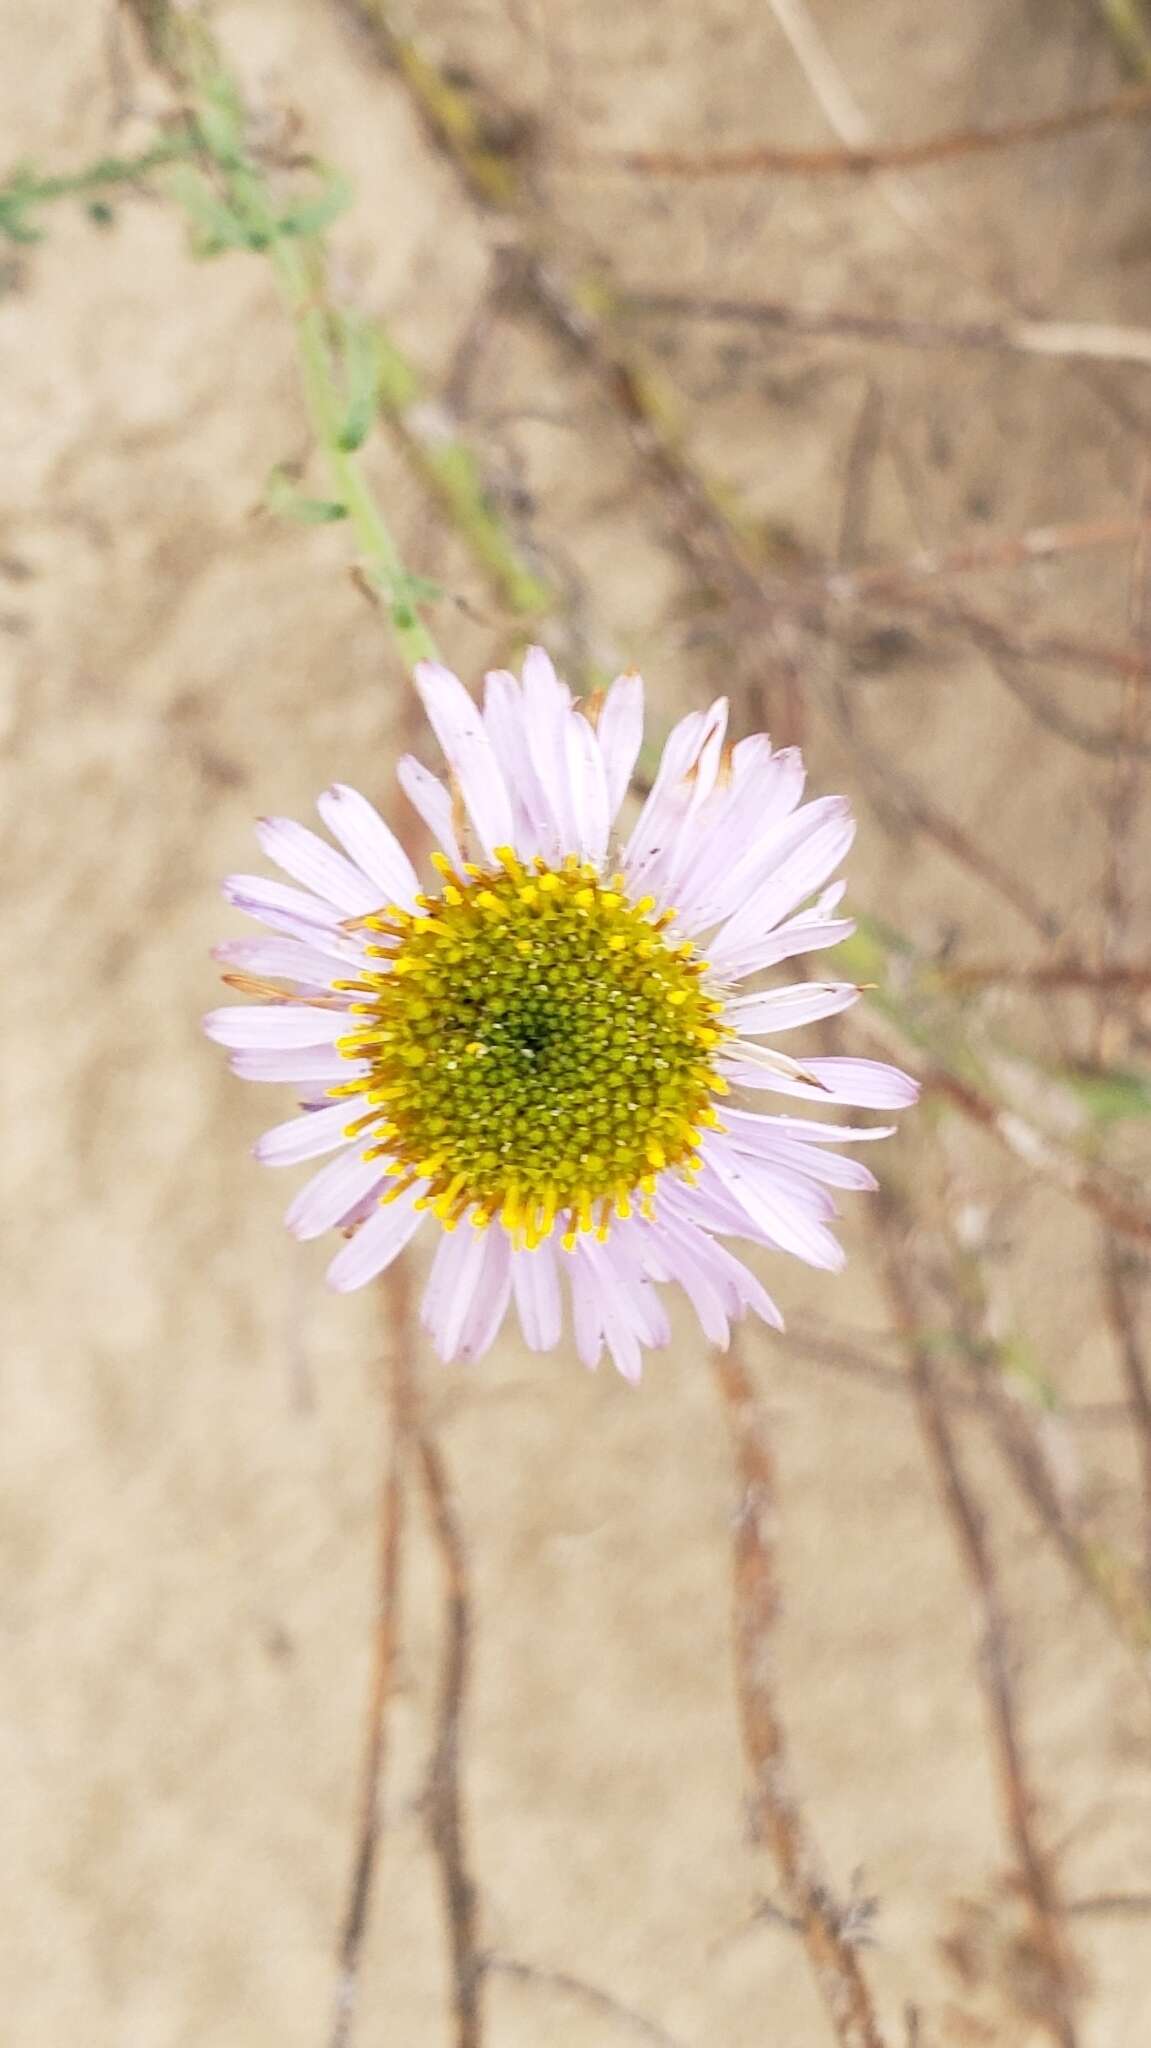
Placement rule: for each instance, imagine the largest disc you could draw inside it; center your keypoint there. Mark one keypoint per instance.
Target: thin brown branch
(1107, 742)
(1009, 551)
(1037, 1880)
(776, 1815)
(1105, 1578)
(386, 1636)
(444, 1803)
(1069, 340)
(898, 798)
(626, 2017)
(1104, 1194)
(757, 158)
(973, 974)
(1122, 1272)
(1057, 650)
(842, 1353)
(1117, 1905)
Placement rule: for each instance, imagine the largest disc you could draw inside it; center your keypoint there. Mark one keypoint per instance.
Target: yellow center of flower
(537, 1048)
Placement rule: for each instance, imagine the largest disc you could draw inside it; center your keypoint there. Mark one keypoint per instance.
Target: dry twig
(399, 1340)
(776, 1814)
(444, 1804)
(626, 2017)
(1121, 1268)
(864, 160)
(1069, 340)
(1037, 1880)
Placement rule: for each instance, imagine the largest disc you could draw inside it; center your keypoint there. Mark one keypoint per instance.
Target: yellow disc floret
(538, 1048)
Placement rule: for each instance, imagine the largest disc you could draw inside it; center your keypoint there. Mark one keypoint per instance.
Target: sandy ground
(193, 1431)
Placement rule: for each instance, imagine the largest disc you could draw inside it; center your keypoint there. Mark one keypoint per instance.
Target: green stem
(25, 189)
(381, 557)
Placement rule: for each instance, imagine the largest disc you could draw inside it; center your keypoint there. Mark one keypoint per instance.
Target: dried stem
(1046, 974)
(1106, 1578)
(399, 1339)
(1010, 551)
(1037, 1880)
(1121, 1269)
(756, 158)
(776, 1815)
(841, 1352)
(1071, 340)
(1084, 1182)
(628, 2020)
(443, 1800)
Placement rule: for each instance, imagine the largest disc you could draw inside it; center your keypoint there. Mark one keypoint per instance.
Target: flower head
(539, 1052)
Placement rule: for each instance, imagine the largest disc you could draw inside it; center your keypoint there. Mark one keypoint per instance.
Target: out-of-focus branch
(754, 159)
(1122, 1270)
(1071, 340)
(776, 1814)
(444, 1804)
(399, 1338)
(975, 974)
(1037, 1880)
(627, 2020)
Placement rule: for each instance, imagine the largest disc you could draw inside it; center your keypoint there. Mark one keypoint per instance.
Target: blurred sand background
(193, 1430)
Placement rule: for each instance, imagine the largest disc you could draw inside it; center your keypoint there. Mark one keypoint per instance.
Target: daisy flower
(539, 1056)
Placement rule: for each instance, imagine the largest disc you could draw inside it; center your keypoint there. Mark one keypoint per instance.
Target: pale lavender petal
(664, 875)
(761, 1136)
(830, 829)
(678, 1241)
(274, 902)
(624, 1345)
(707, 1203)
(490, 1297)
(334, 1191)
(547, 710)
(620, 735)
(666, 799)
(308, 859)
(744, 1288)
(309, 1137)
(784, 1009)
(737, 835)
(777, 1206)
(373, 846)
(587, 1312)
(469, 753)
(587, 783)
(273, 1026)
(616, 1324)
(804, 1127)
(432, 802)
(308, 1063)
(631, 1310)
(450, 1295)
(377, 1242)
(862, 1084)
(506, 721)
(671, 802)
(535, 1279)
(289, 960)
(717, 1273)
(802, 935)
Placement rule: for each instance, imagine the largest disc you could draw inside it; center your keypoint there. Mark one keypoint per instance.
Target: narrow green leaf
(359, 353)
(282, 497)
(310, 216)
(1109, 1094)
